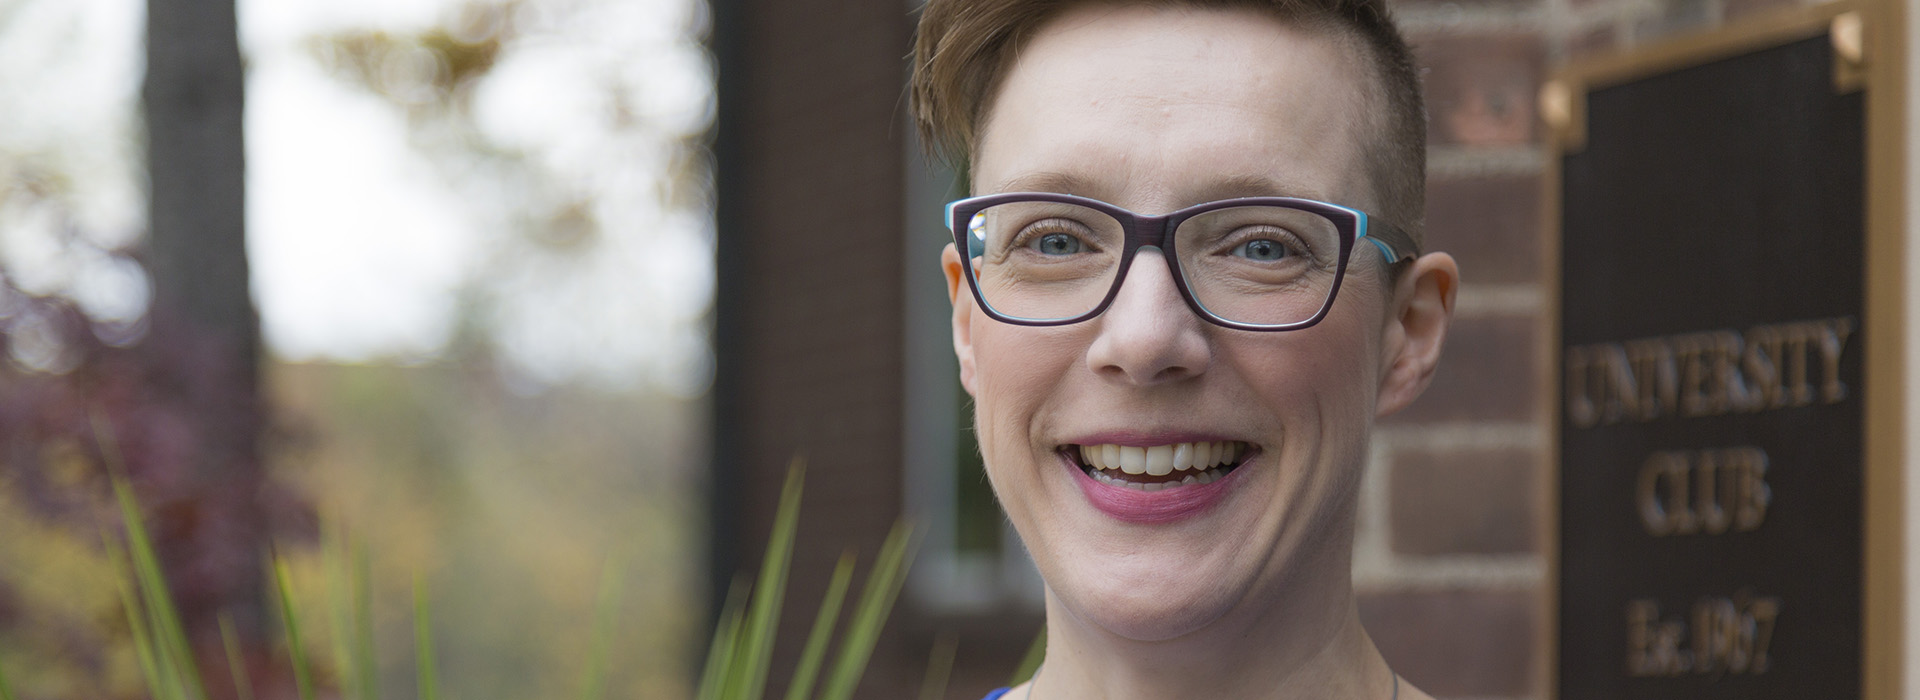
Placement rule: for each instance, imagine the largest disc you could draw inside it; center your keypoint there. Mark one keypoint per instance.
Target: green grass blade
(429, 687)
(870, 614)
(302, 676)
(939, 667)
(6, 692)
(720, 652)
(173, 655)
(242, 685)
(172, 652)
(735, 683)
(363, 658)
(143, 647)
(333, 560)
(763, 617)
(606, 615)
(815, 651)
(1036, 652)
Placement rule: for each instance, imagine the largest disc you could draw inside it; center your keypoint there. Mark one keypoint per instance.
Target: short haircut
(964, 48)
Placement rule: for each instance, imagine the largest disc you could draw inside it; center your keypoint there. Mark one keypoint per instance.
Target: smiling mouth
(1160, 466)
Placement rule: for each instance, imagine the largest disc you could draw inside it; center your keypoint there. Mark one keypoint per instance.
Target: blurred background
(477, 240)
(505, 291)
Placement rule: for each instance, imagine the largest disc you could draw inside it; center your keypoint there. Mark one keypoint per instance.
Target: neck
(1302, 641)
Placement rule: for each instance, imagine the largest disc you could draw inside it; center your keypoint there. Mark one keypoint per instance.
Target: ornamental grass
(737, 662)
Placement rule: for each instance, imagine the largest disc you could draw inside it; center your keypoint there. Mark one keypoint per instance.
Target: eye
(1263, 250)
(1056, 244)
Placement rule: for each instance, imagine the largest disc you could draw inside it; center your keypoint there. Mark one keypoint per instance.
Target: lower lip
(1153, 507)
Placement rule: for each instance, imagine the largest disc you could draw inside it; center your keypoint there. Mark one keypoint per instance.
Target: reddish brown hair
(965, 47)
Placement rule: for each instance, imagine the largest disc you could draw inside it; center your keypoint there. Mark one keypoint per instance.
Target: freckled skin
(1148, 107)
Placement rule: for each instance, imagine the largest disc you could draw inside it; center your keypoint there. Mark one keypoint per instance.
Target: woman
(1178, 322)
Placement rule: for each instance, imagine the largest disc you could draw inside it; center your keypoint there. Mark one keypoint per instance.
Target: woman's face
(1155, 110)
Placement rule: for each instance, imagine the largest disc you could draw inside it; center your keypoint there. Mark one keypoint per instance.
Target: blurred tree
(205, 332)
(171, 370)
(575, 136)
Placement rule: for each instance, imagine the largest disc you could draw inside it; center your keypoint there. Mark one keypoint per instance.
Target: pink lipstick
(1152, 507)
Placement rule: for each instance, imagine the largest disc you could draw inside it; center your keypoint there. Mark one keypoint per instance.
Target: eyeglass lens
(1264, 265)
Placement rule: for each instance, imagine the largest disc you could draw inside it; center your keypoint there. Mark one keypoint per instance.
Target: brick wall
(1450, 559)
(808, 310)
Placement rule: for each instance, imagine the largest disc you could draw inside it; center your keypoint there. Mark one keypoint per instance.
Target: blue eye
(1056, 244)
(1262, 250)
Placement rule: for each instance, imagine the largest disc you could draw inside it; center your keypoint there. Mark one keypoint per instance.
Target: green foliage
(1031, 662)
(363, 623)
(765, 612)
(737, 664)
(6, 693)
(939, 666)
(495, 497)
(165, 657)
(870, 614)
(429, 687)
(242, 685)
(816, 649)
(350, 612)
(339, 607)
(605, 611)
(720, 654)
(302, 676)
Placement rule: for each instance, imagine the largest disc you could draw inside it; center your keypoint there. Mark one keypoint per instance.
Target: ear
(1421, 310)
(962, 299)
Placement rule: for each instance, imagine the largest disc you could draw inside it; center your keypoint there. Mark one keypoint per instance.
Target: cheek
(1016, 365)
(1353, 330)
(1330, 370)
(1017, 371)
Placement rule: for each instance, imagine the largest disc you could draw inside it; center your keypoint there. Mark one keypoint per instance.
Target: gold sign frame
(1870, 50)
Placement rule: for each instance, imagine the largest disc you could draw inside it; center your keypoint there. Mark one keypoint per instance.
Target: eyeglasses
(1255, 263)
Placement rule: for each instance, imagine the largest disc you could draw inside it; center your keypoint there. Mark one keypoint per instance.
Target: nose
(1148, 335)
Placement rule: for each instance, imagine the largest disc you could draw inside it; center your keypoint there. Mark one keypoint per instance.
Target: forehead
(1165, 107)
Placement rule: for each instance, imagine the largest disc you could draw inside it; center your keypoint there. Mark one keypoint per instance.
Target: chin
(1148, 608)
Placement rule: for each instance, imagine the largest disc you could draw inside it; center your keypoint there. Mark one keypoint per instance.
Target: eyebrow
(1259, 186)
(1049, 181)
(1230, 187)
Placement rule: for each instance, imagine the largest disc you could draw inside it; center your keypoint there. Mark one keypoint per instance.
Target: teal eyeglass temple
(1366, 227)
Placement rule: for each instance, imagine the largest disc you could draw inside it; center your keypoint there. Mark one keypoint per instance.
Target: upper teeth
(1161, 460)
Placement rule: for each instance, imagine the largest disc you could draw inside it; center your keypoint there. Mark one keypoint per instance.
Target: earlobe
(1417, 329)
(957, 293)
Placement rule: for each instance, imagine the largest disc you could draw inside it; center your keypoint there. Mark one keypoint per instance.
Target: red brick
(1735, 10)
(1594, 42)
(816, 372)
(1488, 372)
(1491, 225)
(1674, 17)
(1481, 88)
(1456, 643)
(1430, 5)
(1464, 502)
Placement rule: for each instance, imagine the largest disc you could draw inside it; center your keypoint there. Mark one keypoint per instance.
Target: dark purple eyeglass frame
(1157, 231)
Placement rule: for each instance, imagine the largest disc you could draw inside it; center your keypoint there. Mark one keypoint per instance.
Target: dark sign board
(1711, 443)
